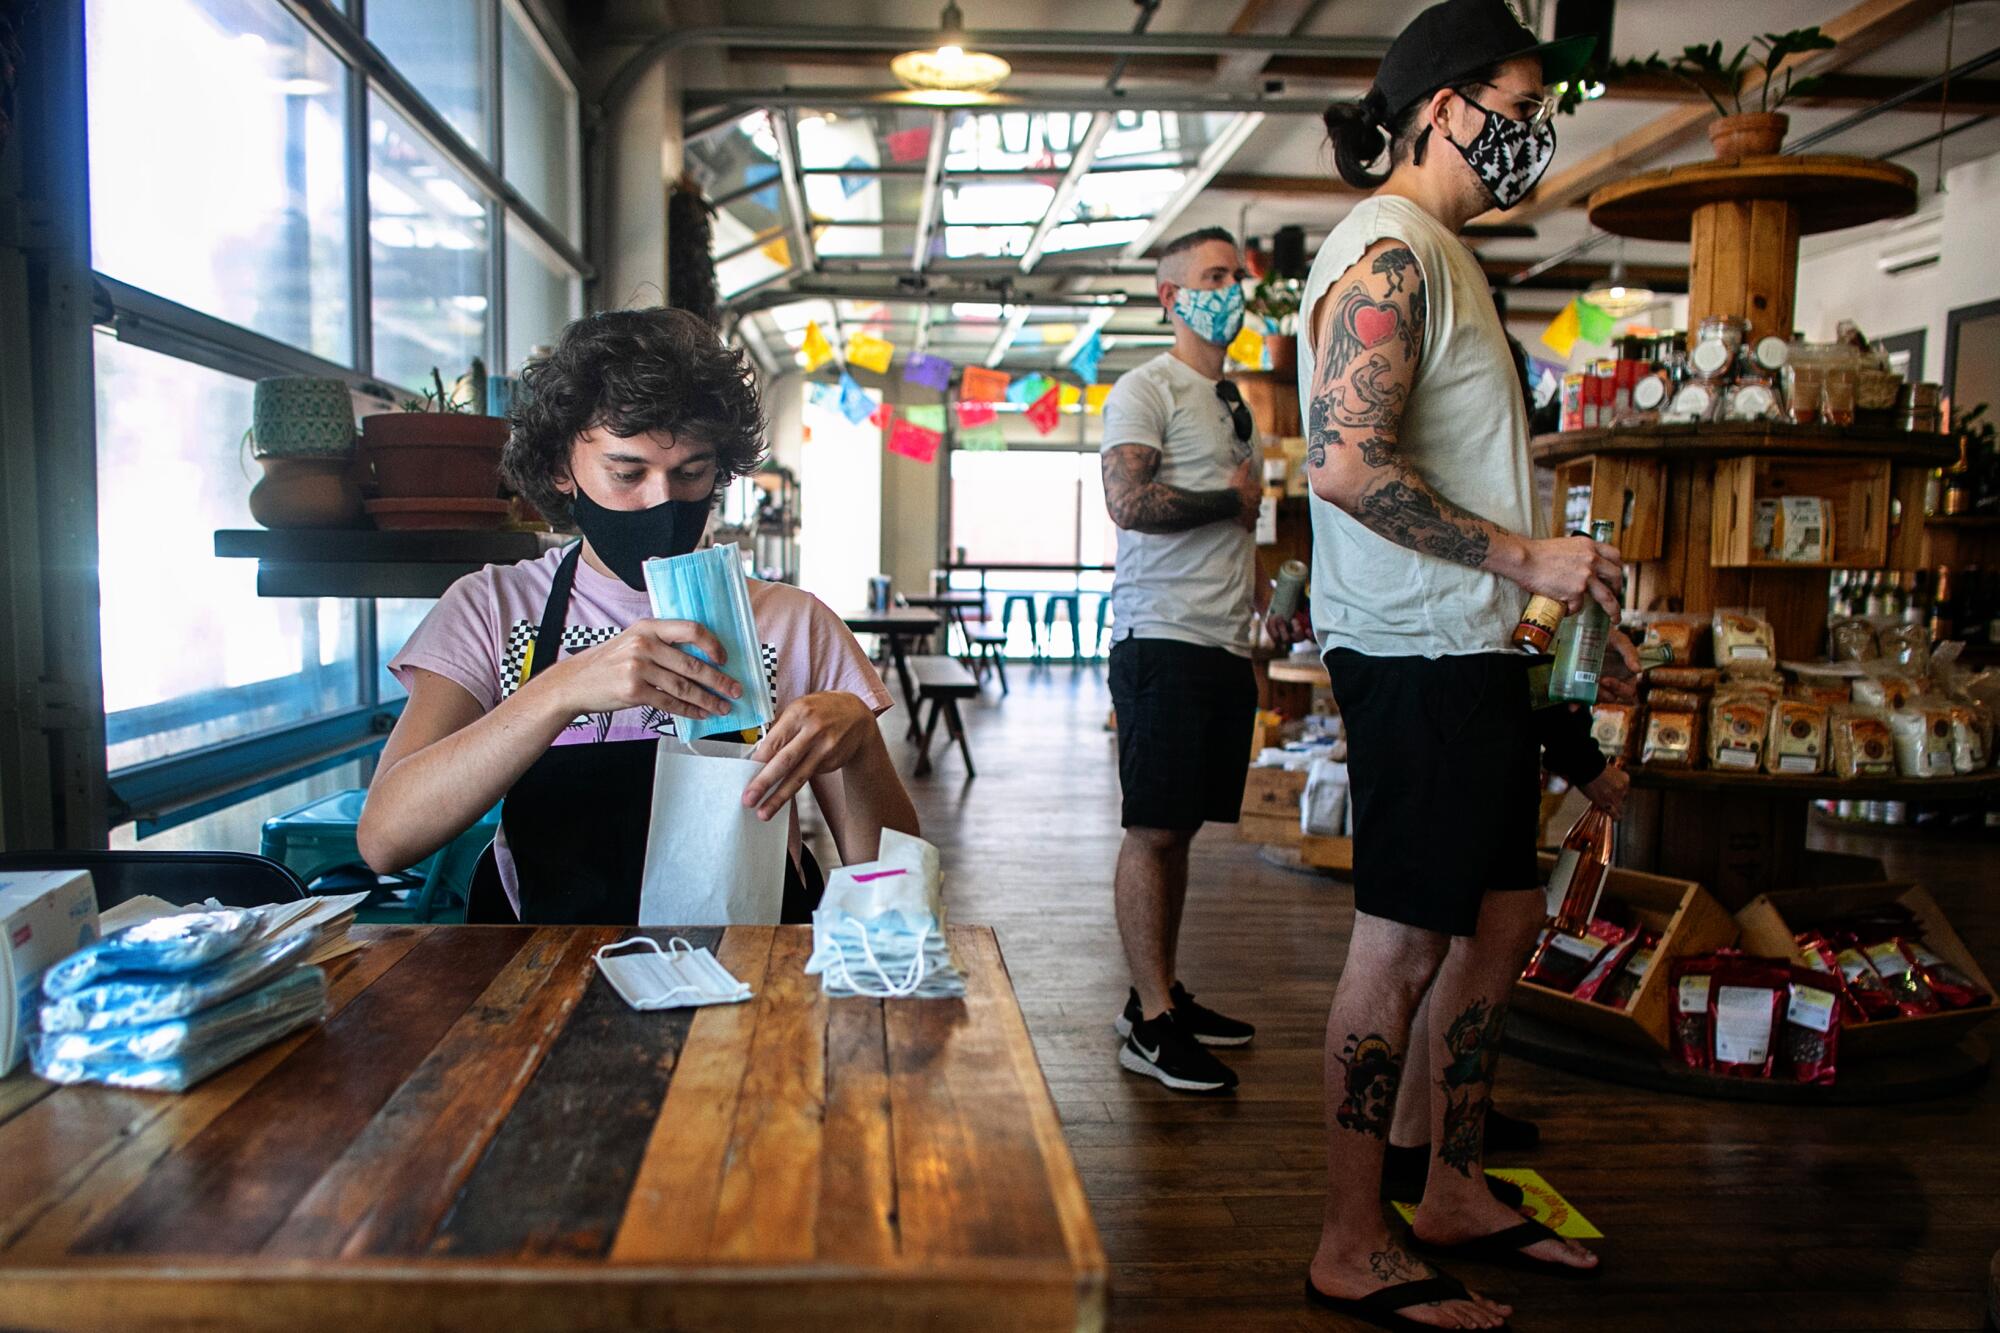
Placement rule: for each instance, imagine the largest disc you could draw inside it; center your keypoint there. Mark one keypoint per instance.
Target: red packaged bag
(1625, 980)
(1913, 994)
(1865, 988)
(1811, 1034)
(1608, 965)
(1954, 989)
(1693, 979)
(1562, 960)
(1746, 1004)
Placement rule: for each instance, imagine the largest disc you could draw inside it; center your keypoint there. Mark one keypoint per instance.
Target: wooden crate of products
(1270, 811)
(1770, 923)
(1688, 921)
(1625, 490)
(1857, 487)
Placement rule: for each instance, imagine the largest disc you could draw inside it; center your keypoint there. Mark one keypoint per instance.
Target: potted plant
(436, 447)
(1276, 301)
(1741, 130)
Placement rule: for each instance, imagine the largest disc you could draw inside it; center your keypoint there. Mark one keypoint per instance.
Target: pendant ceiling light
(950, 74)
(1617, 297)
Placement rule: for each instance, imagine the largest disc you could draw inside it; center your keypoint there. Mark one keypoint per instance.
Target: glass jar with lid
(1717, 341)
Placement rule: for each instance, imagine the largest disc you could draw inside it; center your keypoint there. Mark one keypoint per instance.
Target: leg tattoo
(1373, 1071)
(1473, 1041)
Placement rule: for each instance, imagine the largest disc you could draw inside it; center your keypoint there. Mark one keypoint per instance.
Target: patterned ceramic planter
(301, 416)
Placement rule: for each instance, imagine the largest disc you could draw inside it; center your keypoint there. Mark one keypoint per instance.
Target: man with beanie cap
(1423, 515)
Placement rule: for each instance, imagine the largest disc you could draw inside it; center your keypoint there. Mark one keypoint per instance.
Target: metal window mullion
(143, 319)
(786, 134)
(388, 82)
(931, 202)
(1079, 166)
(496, 288)
(361, 259)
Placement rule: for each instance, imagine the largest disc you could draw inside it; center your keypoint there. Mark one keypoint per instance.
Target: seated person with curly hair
(549, 683)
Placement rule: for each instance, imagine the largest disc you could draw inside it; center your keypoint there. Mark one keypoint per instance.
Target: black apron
(576, 821)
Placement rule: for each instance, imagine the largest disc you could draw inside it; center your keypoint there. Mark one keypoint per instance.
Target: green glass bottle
(1580, 643)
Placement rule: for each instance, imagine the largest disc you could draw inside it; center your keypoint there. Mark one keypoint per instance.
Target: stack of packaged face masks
(879, 930)
(167, 1002)
(708, 587)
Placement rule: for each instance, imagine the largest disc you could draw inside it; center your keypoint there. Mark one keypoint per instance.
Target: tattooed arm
(1138, 503)
(1368, 338)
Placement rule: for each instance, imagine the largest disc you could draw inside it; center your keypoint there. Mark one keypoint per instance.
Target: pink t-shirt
(479, 633)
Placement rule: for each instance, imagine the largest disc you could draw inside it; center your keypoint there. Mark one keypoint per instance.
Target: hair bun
(1375, 108)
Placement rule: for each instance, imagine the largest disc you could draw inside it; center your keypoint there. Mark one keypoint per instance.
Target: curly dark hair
(631, 372)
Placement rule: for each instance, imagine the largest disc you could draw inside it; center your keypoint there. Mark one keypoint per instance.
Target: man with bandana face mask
(1424, 553)
(1182, 488)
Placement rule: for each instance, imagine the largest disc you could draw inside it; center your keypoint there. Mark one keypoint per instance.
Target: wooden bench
(941, 682)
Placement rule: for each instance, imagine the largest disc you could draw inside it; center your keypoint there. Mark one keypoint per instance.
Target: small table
(899, 627)
(953, 604)
(483, 1135)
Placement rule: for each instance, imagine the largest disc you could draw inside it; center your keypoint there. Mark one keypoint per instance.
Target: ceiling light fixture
(949, 75)
(1617, 297)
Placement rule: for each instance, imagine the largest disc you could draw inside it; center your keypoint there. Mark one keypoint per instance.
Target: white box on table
(45, 916)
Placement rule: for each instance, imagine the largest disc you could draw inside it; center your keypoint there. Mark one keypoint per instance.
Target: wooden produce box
(1858, 488)
(1770, 923)
(1688, 922)
(1270, 811)
(1624, 489)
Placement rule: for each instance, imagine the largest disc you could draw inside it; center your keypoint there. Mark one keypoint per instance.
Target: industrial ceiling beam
(1212, 160)
(712, 107)
(1092, 326)
(933, 196)
(1017, 319)
(892, 293)
(787, 137)
(1080, 161)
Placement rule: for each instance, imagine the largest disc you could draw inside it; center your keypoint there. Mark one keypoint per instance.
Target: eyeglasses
(1541, 110)
(1239, 412)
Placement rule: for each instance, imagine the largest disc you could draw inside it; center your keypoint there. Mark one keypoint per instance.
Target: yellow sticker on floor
(1540, 1202)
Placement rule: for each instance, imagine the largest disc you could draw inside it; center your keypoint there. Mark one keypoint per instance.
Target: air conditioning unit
(1913, 243)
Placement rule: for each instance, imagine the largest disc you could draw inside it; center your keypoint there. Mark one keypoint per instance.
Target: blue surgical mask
(1215, 316)
(708, 588)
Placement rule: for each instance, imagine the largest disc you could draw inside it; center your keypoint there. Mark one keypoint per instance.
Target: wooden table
(955, 605)
(898, 627)
(484, 1136)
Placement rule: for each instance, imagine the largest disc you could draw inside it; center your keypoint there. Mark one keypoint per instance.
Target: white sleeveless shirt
(1465, 432)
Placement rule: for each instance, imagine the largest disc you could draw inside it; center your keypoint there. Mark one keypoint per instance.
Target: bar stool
(1103, 623)
(1026, 601)
(1071, 604)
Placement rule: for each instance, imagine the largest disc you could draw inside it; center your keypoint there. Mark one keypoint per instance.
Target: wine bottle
(1580, 643)
(1581, 866)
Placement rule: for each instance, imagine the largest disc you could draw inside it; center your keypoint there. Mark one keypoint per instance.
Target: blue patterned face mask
(1215, 316)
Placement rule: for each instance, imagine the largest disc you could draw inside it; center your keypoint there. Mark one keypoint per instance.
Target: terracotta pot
(434, 455)
(1284, 350)
(1760, 134)
(460, 515)
(307, 493)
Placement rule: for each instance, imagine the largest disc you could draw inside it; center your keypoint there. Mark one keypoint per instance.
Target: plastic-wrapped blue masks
(178, 943)
(708, 588)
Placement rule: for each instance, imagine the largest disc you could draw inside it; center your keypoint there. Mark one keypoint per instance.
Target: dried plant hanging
(690, 252)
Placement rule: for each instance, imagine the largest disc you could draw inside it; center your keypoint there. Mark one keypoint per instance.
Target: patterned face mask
(1508, 156)
(1215, 316)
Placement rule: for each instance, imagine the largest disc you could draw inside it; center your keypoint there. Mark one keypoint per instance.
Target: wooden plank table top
(483, 1135)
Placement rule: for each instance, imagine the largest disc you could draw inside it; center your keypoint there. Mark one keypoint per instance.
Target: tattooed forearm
(1138, 503)
(1403, 507)
(1373, 1068)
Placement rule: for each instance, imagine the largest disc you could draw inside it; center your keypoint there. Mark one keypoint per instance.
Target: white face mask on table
(679, 976)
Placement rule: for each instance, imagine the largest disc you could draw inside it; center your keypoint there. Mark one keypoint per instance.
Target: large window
(260, 206)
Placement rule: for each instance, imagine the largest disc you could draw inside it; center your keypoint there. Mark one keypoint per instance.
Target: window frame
(161, 793)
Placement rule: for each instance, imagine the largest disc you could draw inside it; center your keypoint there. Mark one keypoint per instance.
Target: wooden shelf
(322, 562)
(1721, 439)
(1819, 785)
(1830, 192)
(1963, 522)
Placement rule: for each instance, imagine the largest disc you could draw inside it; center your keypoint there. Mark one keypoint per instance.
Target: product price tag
(1888, 960)
(1742, 1025)
(1797, 763)
(1736, 758)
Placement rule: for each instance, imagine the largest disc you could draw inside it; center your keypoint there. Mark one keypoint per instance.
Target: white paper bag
(709, 860)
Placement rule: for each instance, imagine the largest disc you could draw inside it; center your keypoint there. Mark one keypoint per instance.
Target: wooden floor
(1715, 1216)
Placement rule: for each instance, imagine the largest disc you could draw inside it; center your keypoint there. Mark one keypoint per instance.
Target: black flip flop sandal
(1505, 1249)
(1379, 1308)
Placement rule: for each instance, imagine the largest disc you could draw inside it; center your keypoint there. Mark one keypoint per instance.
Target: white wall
(644, 158)
(1839, 279)
(840, 500)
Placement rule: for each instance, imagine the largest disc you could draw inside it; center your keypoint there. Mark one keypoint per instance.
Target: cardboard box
(1771, 921)
(1688, 921)
(45, 916)
(1270, 812)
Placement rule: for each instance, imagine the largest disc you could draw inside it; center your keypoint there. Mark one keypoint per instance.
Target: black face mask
(625, 539)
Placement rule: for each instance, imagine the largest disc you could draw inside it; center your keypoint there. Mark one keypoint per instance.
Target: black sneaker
(1162, 1048)
(1208, 1027)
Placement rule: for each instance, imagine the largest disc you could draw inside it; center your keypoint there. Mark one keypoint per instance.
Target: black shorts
(1445, 775)
(1185, 714)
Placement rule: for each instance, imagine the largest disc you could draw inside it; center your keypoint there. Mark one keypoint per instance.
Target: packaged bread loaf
(1861, 745)
(1683, 678)
(1677, 636)
(1922, 734)
(1736, 732)
(1815, 690)
(1854, 640)
(1742, 638)
(1968, 739)
(1611, 726)
(1907, 646)
(1795, 738)
(1768, 686)
(1888, 690)
(1677, 700)
(1673, 738)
